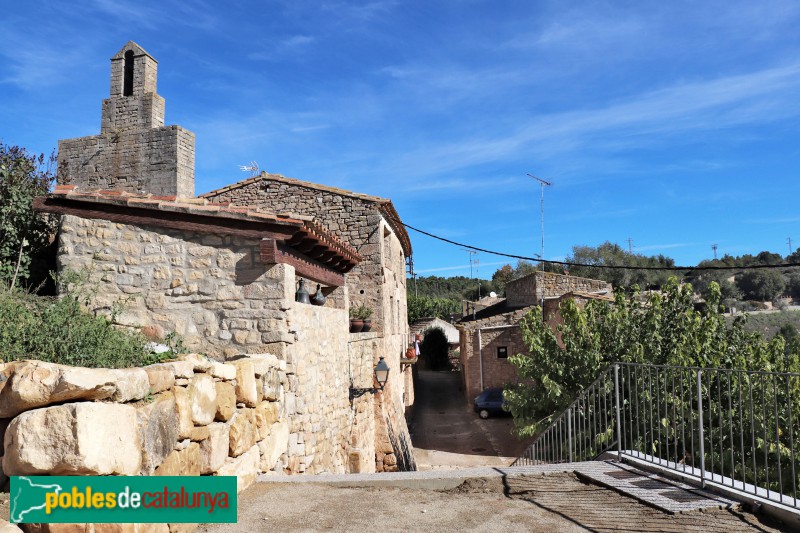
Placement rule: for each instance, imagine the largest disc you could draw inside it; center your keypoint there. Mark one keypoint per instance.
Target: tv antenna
(543, 184)
(252, 168)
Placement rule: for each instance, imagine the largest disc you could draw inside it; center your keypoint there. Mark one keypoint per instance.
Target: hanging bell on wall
(319, 298)
(302, 294)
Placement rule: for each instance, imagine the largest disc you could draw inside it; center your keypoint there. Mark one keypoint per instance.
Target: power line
(622, 267)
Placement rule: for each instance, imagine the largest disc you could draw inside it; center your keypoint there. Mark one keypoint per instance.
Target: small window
(127, 87)
(502, 352)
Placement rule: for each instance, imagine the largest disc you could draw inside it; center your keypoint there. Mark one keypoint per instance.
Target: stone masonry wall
(210, 289)
(352, 219)
(496, 372)
(530, 289)
(323, 424)
(158, 161)
(192, 416)
(134, 151)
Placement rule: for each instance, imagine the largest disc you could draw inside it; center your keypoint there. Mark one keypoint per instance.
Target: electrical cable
(622, 267)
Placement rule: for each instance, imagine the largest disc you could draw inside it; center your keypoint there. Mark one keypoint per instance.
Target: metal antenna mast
(542, 183)
(714, 247)
(630, 245)
(472, 253)
(789, 240)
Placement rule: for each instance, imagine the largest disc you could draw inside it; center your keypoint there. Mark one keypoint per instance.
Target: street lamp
(381, 376)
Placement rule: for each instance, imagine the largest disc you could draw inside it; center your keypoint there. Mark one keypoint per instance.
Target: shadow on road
(444, 421)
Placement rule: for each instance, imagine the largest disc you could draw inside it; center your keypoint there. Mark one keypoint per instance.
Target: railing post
(700, 425)
(569, 432)
(619, 424)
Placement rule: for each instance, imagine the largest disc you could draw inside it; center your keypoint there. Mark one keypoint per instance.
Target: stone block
(226, 401)
(243, 432)
(246, 391)
(214, 449)
(199, 433)
(222, 371)
(158, 430)
(161, 379)
(131, 384)
(184, 404)
(203, 395)
(74, 439)
(30, 384)
(182, 369)
(266, 413)
(185, 462)
(245, 467)
(274, 445)
(200, 363)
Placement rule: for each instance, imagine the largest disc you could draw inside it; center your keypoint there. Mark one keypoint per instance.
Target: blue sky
(672, 123)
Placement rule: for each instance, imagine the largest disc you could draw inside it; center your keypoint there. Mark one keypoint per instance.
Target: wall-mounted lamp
(381, 376)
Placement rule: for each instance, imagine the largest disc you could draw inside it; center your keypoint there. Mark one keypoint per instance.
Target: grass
(768, 324)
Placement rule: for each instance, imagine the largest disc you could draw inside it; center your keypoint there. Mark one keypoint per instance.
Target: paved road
(540, 503)
(447, 434)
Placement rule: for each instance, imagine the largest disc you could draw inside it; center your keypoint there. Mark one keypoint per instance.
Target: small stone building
(490, 335)
(221, 271)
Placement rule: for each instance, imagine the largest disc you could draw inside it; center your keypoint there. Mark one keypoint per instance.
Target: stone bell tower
(134, 152)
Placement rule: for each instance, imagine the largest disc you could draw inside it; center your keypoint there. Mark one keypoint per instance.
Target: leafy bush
(58, 330)
(663, 328)
(762, 285)
(425, 306)
(24, 234)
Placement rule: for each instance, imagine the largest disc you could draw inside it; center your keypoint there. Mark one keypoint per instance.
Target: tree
(762, 285)
(424, 306)
(24, 234)
(659, 328)
(608, 254)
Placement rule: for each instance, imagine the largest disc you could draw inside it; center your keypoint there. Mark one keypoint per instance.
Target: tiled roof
(300, 227)
(385, 205)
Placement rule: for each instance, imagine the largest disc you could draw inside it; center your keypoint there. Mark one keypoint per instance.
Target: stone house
(490, 335)
(221, 270)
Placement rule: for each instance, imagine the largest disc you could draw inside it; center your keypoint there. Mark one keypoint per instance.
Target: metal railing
(733, 428)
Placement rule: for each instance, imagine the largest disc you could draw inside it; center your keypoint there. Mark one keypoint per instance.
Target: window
(502, 352)
(127, 87)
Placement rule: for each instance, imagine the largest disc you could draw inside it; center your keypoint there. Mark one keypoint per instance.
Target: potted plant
(356, 322)
(359, 319)
(365, 313)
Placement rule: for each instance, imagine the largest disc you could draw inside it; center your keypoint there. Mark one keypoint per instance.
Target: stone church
(221, 270)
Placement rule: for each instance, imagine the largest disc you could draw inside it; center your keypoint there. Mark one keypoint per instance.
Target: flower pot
(356, 325)
(367, 325)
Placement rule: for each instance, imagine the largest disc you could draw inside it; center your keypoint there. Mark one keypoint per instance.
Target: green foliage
(424, 306)
(23, 233)
(362, 312)
(452, 288)
(507, 273)
(762, 285)
(60, 330)
(657, 328)
(612, 254)
(434, 349)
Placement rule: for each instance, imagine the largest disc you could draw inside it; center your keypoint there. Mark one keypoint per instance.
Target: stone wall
(192, 416)
(158, 161)
(210, 289)
(531, 289)
(134, 152)
(500, 330)
(354, 220)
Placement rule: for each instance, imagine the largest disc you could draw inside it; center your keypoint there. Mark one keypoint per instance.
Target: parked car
(489, 403)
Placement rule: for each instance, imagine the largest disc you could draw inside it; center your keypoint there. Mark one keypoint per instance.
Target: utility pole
(714, 247)
(630, 246)
(543, 184)
(789, 240)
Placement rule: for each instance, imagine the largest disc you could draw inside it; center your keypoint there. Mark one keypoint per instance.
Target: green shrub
(58, 330)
